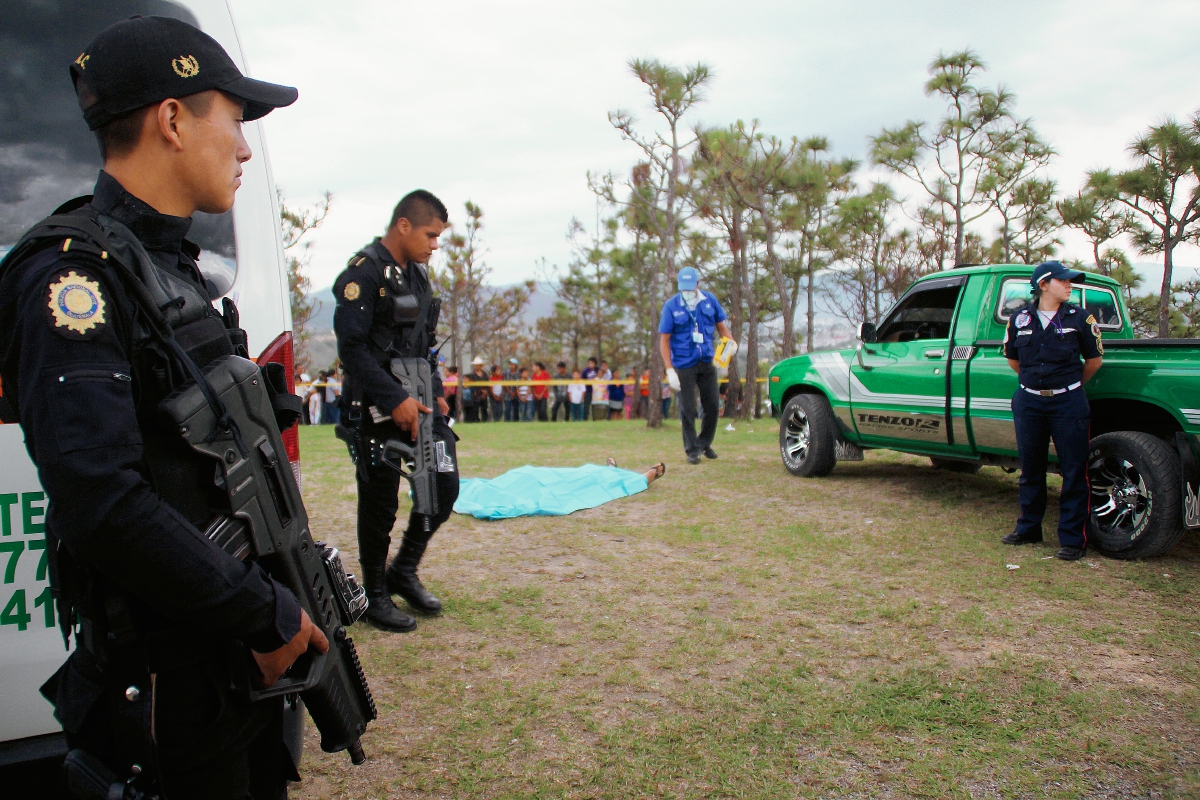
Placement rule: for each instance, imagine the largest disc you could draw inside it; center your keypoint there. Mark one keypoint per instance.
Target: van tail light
(281, 351)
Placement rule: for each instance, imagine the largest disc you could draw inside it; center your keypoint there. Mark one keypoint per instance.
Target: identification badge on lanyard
(697, 337)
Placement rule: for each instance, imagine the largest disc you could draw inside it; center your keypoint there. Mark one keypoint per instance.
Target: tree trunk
(788, 346)
(751, 393)
(733, 386)
(1164, 294)
(810, 314)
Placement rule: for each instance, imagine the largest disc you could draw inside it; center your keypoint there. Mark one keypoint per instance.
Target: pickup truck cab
(931, 379)
(49, 156)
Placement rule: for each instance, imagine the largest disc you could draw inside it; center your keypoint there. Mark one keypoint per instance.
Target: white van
(48, 156)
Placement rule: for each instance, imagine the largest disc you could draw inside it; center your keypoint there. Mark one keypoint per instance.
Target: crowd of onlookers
(474, 397)
(481, 400)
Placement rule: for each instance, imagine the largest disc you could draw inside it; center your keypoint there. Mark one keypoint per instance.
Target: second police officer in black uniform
(1055, 347)
(385, 310)
(165, 621)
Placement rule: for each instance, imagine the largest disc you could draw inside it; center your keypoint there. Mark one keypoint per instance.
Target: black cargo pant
(1065, 418)
(565, 405)
(209, 740)
(701, 378)
(378, 502)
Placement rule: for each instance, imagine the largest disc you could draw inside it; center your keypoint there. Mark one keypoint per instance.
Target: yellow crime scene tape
(530, 382)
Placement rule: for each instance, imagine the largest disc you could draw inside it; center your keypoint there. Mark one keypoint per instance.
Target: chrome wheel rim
(796, 436)
(1120, 499)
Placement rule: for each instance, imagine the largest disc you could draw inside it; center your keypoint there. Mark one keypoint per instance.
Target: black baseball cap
(1055, 269)
(144, 60)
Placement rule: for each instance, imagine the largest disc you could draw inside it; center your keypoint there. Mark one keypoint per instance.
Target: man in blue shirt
(689, 321)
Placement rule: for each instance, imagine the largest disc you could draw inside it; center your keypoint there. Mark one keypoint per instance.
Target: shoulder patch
(1023, 319)
(352, 291)
(76, 305)
(1091, 320)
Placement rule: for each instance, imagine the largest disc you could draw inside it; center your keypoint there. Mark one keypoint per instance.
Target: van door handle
(935, 353)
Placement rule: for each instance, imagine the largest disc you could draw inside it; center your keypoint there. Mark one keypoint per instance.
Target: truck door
(898, 383)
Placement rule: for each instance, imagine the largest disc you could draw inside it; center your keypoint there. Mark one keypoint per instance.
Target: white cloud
(505, 103)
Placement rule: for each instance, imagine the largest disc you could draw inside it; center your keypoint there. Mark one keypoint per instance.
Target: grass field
(738, 632)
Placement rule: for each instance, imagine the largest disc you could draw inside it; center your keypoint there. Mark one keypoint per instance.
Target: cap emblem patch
(76, 303)
(81, 62)
(1023, 320)
(186, 66)
(352, 291)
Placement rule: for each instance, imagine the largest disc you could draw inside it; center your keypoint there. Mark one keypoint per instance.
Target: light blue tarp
(545, 491)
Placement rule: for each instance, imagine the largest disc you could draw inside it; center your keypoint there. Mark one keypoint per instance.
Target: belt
(1052, 392)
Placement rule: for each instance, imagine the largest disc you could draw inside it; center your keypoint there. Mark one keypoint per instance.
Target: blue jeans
(512, 409)
(577, 412)
(1065, 418)
(528, 409)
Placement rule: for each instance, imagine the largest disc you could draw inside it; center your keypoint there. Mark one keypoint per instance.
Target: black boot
(402, 578)
(381, 611)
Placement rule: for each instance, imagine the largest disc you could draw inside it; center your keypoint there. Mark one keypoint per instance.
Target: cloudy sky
(505, 103)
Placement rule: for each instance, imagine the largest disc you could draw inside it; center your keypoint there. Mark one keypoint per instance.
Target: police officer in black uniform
(1055, 347)
(385, 310)
(168, 622)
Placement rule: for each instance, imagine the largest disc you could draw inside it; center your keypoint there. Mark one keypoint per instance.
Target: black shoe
(693, 458)
(710, 453)
(381, 611)
(383, 614)
(402, 578)
(1016, 538)
(1071, 553)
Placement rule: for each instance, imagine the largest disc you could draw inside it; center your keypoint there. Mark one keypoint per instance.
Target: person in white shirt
(575, 393)
(333, 391)
(600, 393)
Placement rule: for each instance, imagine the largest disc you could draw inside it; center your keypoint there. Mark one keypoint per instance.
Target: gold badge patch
(352, 291)
(186, 66)
(1091, 320)
(76, 303)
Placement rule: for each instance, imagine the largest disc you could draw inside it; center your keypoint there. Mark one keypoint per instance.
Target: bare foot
(612, 462)
(656, 472)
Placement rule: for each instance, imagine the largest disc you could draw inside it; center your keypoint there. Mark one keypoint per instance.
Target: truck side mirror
(867, 332)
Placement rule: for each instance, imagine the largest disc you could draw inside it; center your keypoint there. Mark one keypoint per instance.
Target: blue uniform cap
(688, 278)
(1055, 269)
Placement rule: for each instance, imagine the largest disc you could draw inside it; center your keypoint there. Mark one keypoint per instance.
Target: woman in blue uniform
(1055, 347)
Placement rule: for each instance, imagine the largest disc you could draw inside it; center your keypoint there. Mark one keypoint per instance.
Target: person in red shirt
(541, 393)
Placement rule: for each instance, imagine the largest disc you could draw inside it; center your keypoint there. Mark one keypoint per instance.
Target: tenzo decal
(899, 425)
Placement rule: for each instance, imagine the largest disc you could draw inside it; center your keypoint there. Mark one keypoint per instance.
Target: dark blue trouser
(1065, 418)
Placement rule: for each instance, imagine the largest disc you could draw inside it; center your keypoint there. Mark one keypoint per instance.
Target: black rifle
(266, 521)
(418, 463)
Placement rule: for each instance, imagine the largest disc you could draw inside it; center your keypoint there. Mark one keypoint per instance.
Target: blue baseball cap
(1055, 269)
(688, 278)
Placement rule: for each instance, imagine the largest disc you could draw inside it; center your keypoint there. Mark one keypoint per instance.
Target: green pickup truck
(932, 380)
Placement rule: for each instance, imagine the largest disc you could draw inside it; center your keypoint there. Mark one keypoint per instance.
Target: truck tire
(808, 436)
(950, 465)
(1135, 501)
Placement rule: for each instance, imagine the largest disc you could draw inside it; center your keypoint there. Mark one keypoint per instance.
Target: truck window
(47, 154)
(924, 314)
(1102, 304)
(1014, 295)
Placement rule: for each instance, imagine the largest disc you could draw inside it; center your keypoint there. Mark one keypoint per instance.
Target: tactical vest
(159, 360)
(405, 322)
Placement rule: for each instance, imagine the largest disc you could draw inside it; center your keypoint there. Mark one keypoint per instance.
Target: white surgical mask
(691, 297)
